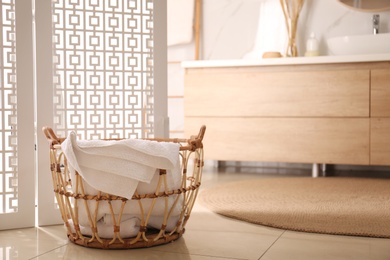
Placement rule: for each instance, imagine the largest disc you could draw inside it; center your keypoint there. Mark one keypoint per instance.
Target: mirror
(368, 5)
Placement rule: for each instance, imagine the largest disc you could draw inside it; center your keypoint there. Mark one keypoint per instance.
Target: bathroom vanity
(327, 109)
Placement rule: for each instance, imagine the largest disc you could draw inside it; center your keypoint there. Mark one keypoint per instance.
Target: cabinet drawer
(300, 140)
(380, 141)
(231, 92)
(380, 93)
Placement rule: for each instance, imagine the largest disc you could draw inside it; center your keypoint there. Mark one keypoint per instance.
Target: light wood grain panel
(297, 94)
(294, 67)
(380, 141)
(380, 93)
(299, 140)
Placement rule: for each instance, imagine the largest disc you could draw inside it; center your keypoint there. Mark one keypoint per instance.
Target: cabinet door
(380, 141)
(380, 93)
(277, 93)
(298, 140)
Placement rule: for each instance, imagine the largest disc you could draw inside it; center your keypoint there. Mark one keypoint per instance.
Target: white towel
(116, 167)
(129, 225)
(132, 206)
(154, 221)
(128, 228)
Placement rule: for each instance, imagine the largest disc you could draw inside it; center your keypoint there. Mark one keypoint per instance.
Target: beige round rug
(331, 205)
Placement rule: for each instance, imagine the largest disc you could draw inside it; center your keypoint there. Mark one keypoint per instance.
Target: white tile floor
(208, 236)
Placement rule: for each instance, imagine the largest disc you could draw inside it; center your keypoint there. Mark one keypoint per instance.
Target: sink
(359, 44)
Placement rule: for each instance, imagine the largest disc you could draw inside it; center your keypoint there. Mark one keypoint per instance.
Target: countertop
(287, 61)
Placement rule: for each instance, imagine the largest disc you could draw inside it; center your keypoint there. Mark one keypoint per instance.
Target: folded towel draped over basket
(116, 167)
(121, 167)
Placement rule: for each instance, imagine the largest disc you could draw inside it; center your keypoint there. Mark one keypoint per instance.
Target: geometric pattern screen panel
(8, 117)
(103, 68)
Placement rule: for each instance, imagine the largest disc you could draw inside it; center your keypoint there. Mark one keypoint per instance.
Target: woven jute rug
(331, 205)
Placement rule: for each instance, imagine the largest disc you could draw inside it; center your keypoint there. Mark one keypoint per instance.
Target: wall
(244, 29)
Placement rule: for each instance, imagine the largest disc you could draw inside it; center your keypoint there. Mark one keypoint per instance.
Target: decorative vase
(291, 10)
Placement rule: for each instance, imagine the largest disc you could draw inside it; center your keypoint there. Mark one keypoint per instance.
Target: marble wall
(244, 29)
(235, 29)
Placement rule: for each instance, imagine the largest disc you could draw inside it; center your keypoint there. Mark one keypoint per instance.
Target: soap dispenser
(312, 46)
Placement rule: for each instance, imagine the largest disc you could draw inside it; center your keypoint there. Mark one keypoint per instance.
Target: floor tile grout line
(163, 251)
(213, 256)
(284, 231)
(48, 251)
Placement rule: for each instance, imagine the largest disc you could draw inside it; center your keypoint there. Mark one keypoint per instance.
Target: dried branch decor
(291, 10)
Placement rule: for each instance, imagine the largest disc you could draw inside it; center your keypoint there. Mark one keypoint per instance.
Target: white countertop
(287, 61)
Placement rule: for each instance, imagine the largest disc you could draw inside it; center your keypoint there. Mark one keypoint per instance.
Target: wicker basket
(74, 202)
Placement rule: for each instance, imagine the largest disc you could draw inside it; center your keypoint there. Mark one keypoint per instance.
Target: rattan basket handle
(196, 140)
(50, 135)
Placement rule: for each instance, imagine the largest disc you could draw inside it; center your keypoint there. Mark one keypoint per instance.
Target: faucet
(375, 23)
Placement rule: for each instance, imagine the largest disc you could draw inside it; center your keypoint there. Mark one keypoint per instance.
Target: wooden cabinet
(380, 141)
(233, 92)
(380, 93)
(306, 140)
(380, 117)
(333, 113)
